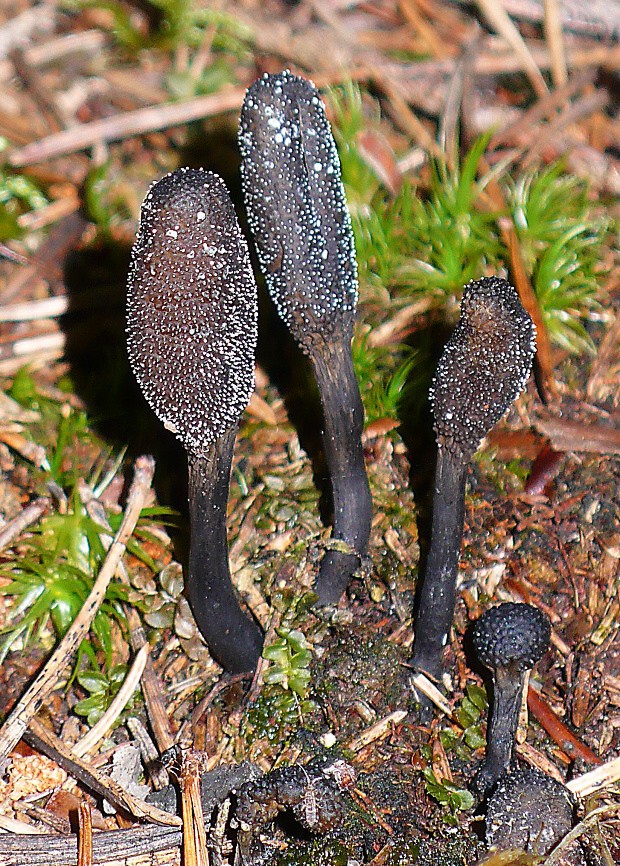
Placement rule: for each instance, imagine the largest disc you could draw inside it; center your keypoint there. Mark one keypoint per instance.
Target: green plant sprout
(469, 714)
(50, 580)
(175, 23)
(385, 375)
(436, 234)
(18, 195)
(448, 794)
(51, 571)
(284, 699)
(562, 240)
(289, 656)
(102, 688)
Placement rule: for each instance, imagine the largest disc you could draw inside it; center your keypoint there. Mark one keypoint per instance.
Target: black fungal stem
(502, 725)
(234, 639)
(437, 598)
(352, 504)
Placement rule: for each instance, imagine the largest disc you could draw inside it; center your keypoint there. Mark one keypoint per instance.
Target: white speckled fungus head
(484, 365)
(192, 308)
(297, 208)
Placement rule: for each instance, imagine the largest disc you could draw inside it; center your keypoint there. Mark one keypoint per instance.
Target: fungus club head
(297, 209)
(484, 366)
(192, 308)
(512, 636)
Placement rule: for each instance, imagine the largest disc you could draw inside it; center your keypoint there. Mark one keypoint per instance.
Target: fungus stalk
(191, 338)
(482, 370)
(344, 421)
(509, 640)
(299, 220)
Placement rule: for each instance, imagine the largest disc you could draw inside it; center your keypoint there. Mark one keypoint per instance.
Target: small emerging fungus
(298, 216)
(530, 811)
(482, 370)
(509, 640)
(191, 337)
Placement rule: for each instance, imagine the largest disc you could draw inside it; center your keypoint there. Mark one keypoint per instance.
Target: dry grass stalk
(27, 708)
(130, 684)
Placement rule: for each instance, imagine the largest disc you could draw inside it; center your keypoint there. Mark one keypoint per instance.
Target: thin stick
(17, 722)
(557, 855)
(543, 108)
(12, 825)
(130, 684)
(555, 41)
(151, 685)
(125, 125)
(374, 732)
(195, 851)
(557, 730)
(34, 310)
(595, 780)
(85, 835)
(501, 21)
(45, 741)
(427, 687)
(29, 515)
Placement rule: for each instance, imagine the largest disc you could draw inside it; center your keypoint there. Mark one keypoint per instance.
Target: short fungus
(298, 216)
(191, 335)
(482, 370)
(530, 811)
(508, 639)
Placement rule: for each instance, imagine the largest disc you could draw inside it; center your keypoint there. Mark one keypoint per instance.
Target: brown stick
(557, 730)
(124, 125)
(17, 722)
(45, 741)
(85, 835)
(29, 515)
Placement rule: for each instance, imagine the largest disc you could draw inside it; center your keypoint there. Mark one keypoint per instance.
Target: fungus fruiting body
(299, 220)
(530, 811)
(482, 370)
(191, 337)
(508, 639)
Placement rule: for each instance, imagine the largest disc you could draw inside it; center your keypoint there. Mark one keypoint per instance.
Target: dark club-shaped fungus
(508, 640)
(482, 370)
(301, 226)
(528, 810)
(191, 334)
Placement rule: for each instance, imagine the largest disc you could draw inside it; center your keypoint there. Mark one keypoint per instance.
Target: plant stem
(343, 416)
(234, 639)
(437, 596)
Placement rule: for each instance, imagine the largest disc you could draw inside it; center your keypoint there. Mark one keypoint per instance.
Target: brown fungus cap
(511, 635)
(484, 365)
(297, 208)
(192, 308)
(528, 810)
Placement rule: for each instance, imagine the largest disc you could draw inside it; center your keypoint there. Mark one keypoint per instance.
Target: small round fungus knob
(528, 810)
(512, 635)
(509, 639)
